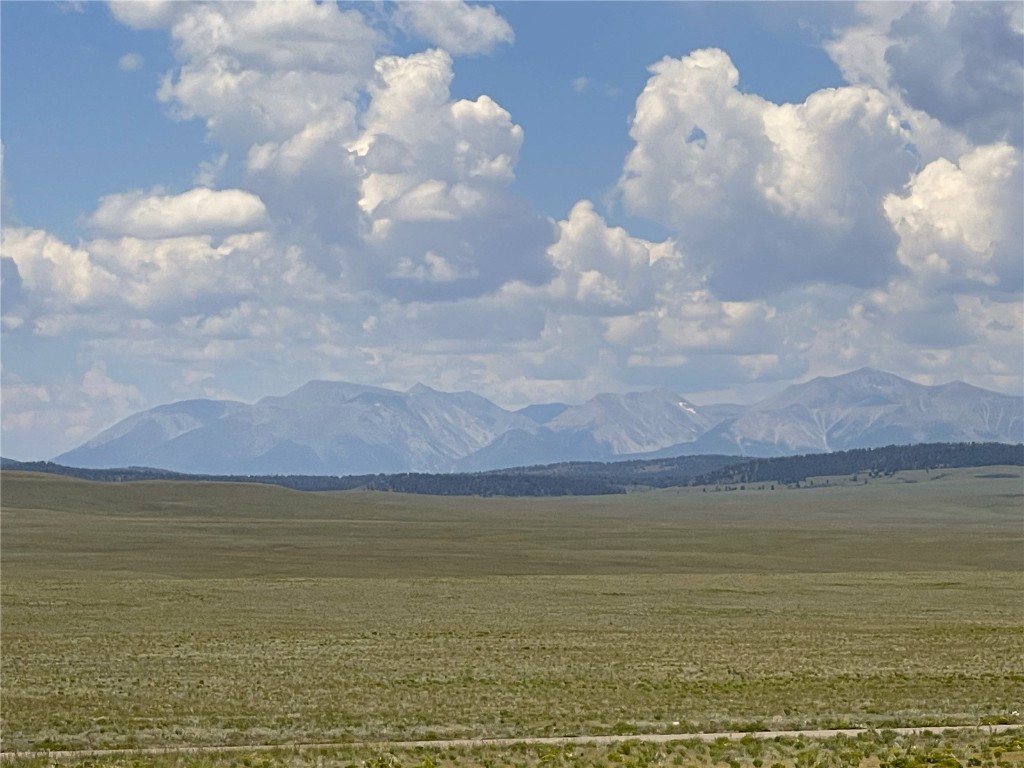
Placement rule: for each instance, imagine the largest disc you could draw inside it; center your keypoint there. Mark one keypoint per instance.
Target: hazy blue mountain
(605, 428)
(320, 428)
(637, 422)
(864, 409)
(340, 428)
(542, 413)
(517, 448)
(141, 440)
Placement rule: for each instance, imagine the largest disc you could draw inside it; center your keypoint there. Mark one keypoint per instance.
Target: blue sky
(534, 201)
(571, 153)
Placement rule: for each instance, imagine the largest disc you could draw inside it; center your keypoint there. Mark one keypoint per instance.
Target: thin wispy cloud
(130, 62)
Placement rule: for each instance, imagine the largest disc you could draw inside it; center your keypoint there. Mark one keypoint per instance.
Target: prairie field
(163, 614)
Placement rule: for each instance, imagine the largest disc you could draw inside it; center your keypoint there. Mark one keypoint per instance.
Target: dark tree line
(601, 478)
(869, 461)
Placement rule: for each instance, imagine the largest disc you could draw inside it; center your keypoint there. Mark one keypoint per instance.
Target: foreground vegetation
(877, 749)
(168, 614)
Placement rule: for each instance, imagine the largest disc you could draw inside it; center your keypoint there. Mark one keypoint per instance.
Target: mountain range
(338, 428)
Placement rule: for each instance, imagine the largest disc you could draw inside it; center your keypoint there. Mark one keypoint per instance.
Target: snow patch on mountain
(637, 422)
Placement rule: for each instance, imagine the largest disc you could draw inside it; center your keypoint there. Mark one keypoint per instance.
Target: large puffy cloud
(603, 270)
(955, 304)
(676, 171)
(766, 195)
(164, 254)
(854, 228)
(265, 71)
(51, 285)
(441, 223)
(952, 309)
(362, 167)
(364, 161)
(961, 222)
(623, 310)
(373, 235)
(365, 194)
(963, 63)
(174, 273)
(197, 211)
(54, 273)
(278, 86)
(412, 130)
(957, 65)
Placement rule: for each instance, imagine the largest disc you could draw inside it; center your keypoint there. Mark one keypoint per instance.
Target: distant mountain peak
(868, 408)
(863, 377)
(337, 427)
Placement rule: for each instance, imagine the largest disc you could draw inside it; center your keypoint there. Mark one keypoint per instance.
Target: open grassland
(57, 527)
(164, 614)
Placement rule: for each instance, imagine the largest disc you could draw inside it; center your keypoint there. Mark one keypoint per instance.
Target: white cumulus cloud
(56, 273)
(145, 14)
(767, 195)
(960, 65)
(435, 173)
(604, 269)
(265, 71)
(372, 224)
(962, 221)
(364, 162)
(197, 211)
(458, 27)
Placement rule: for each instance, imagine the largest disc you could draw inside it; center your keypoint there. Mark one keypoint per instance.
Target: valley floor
(156, 615)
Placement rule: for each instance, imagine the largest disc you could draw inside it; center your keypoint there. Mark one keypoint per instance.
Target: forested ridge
(872, 462)
(600, 478)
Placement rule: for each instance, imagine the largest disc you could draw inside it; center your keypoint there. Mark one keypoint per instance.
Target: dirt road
(503, 742)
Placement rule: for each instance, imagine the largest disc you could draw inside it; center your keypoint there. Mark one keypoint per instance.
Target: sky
(534, 201)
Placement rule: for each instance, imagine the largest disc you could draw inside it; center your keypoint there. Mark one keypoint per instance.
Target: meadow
(168, 614)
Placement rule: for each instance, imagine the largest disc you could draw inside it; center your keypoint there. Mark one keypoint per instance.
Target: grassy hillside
(955, 519)
(185, 614)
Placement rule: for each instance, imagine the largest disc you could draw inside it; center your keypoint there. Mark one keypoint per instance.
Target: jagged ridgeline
(601, 478)
(337, 428)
